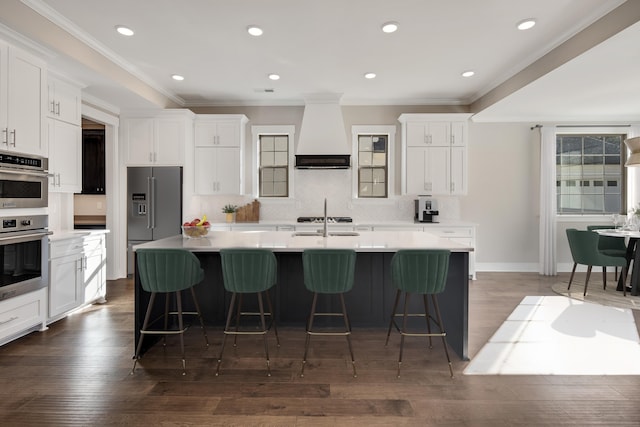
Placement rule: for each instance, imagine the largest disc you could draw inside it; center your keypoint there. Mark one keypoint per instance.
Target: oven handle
(13, 238)
(38, 174)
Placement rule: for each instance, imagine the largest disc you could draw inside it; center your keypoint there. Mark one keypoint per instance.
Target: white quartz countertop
(398, 223)
(285, 241)
(72, 234)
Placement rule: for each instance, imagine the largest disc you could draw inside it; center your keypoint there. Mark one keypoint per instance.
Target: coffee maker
(426, 209)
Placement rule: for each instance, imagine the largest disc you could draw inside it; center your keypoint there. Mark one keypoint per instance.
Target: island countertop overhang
(286, 241)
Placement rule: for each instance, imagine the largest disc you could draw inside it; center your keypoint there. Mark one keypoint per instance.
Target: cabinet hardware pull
(13, 132)
(53, 107)
(11, 319)
(58, 108)
(5, 136)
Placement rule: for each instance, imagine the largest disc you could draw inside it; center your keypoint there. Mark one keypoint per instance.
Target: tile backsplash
(311, 188)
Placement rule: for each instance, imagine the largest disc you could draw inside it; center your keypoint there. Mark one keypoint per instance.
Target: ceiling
(327, 47)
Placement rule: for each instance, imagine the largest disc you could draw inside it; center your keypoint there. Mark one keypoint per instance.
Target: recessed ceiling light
(525, 24)
(390, 27)
(468, 73)
(125, 31)
(274, 76)
(370, 75)
(177, 77)
(254, 30)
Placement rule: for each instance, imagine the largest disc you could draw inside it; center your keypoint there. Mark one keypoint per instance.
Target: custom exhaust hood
(323, 141)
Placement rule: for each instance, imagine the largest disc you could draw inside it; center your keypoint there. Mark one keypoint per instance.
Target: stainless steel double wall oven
(23, 238)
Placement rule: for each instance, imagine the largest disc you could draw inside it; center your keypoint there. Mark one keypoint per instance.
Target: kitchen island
(369, 303)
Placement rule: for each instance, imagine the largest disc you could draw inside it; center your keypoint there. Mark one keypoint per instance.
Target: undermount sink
(319, 234)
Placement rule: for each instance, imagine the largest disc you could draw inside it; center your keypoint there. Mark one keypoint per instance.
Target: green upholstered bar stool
(584, 250)
(423, 272)
(328, 271)
(248, 271)
(168, 272)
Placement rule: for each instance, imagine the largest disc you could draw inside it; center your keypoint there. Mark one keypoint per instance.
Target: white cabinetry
(65, 277)
(77, 274)
(65, 156)
(22, 314)
(219, 148)
(434, 153)
(63, 101)
(463, 234)
(22, 101)
(158, 139)
(94, 280)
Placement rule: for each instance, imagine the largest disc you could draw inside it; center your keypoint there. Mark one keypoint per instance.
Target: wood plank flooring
(77, 373)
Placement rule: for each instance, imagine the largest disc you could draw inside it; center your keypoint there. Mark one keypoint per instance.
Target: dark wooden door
(93, 161)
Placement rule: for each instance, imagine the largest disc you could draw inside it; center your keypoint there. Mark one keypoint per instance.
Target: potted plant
(229, 210)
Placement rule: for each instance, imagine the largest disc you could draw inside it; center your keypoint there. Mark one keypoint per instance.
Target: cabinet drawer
(21, 313)
(65, 247)
(449, 231)
(92, 243)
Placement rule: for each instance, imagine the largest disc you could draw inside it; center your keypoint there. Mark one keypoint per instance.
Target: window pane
(372, 151)
(590, 174)
(274, 165)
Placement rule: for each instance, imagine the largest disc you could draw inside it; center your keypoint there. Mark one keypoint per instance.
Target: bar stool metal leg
(145, 323)
(309, 328)
(442, 332)
(348, 334)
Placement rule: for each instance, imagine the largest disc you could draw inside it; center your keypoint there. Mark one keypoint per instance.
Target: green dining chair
(612, 246)
(168, 272)
(248, 271)
(331, 272)
(423, 272)
(584, 250)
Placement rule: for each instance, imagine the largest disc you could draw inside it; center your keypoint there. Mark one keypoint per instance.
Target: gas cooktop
(320, 219)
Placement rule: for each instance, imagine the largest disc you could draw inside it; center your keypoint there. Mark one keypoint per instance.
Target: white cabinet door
(94, 270)
(214, 134)
(170, 141)
(420, 134)
(458, 170)
(153, 141)
(65, 284)
(219, 130)
(217, 170)
(428, 170)
(64, 101)
(65, 157)
(23, 102)
(138, 134)
(459, 134)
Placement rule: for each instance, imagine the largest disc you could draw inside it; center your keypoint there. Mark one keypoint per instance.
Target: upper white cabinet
(434, 153)
(219, 130)
(22, 101)
(65, 156)
(158, 139)
(64, 101)
(219, 147)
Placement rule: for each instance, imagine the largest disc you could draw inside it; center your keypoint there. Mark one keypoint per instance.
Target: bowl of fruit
(196, 229)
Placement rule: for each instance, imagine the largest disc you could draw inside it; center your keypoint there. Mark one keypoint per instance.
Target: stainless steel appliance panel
(23, 255)
(154, 204)
(24, 181)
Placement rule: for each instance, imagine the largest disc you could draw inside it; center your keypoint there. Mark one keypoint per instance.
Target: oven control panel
(22, 223)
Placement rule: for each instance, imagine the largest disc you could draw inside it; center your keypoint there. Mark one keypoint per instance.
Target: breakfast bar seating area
(369, 302)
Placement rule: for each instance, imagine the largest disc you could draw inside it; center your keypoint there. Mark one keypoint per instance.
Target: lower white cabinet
(463, 234)
(77, 274)
(22, 314)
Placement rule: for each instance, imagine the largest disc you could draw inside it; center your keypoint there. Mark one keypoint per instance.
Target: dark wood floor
(77, 373)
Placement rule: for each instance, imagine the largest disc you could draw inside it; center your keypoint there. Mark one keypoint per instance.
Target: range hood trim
(323, 161)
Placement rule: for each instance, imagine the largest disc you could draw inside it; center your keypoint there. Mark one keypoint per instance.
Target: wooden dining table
(631, 237)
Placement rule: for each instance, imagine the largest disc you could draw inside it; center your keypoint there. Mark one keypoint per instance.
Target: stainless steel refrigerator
(154, 205)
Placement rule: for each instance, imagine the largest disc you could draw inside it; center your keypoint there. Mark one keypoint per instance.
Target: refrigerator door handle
(152, 202)
(149, 202)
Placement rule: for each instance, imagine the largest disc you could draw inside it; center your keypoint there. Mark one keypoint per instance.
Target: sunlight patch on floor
(555, 335)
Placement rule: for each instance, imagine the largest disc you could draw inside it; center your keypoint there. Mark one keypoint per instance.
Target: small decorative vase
(229, 216)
